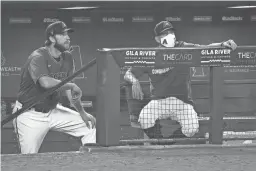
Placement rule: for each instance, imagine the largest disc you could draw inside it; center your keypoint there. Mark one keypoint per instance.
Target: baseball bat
(47, 93)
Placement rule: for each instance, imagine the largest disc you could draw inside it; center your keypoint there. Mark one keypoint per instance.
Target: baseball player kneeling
(44, 69)
(170, 87)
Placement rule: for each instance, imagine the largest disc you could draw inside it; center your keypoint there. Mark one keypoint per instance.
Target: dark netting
(168, 118)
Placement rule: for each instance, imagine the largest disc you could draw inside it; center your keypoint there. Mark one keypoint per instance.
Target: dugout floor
(190, 159)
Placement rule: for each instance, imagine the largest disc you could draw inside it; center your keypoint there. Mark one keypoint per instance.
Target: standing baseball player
(170, 88)
(44, 69)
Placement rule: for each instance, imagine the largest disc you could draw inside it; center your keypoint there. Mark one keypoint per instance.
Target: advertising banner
(166, 57)
(8, 69)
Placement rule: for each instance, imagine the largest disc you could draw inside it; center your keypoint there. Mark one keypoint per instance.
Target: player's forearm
(48, 82)
(130, 77)
(75, 103)
(213, 45)
(198, 45)
(78, 106)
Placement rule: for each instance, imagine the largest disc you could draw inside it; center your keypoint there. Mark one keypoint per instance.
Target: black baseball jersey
(166, 82)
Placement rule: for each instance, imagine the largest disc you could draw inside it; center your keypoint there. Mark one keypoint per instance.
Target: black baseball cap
(58, 27)
(163, 26)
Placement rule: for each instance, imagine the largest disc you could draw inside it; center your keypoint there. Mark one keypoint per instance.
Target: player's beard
(60, 47)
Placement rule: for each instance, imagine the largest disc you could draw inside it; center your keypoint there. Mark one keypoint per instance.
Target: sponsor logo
(173, 18)
(142, 19)
(112, 19)
(140, 53)
(8, 70)
(253, 18)
(20, 20)
(177, 57)
(240, 68)
(232, 18)
(216, 60)
(215, 57)
(216, 52)
(247, 55)
(140, 57)
(237, 70)
(50, 20)
(81, 19)
(202, 18)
